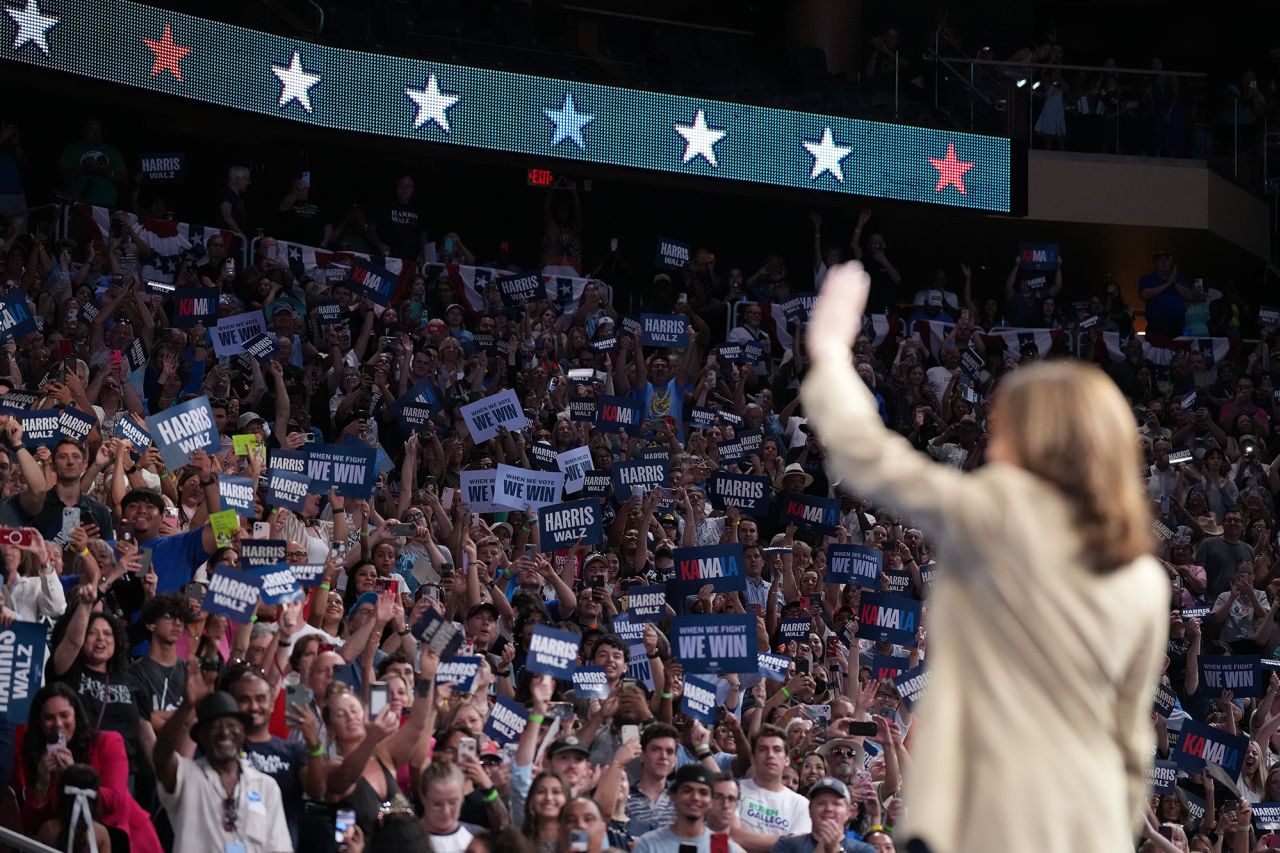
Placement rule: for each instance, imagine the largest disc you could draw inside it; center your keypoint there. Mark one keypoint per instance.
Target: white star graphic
(295, 83)
(826, 155)
(700, 140)
(433, 105)
(33, 27)
(568, 122)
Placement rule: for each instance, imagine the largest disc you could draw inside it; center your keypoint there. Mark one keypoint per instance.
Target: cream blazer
(1035, 732)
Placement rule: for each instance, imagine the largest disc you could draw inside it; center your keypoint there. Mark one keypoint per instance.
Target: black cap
(482, 607)
(568, 744)
(215, 706)
(692, 773)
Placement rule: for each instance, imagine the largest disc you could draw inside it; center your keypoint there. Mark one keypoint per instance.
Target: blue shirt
(175, 558)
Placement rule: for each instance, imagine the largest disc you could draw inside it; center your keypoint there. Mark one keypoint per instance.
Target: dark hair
(659, 730)
(529, 827)
(35, 745)
(522, 619)
(391, 660)
(119, 661)
(768, 730)
(85, 778)
(300, 649)
(71, 441)
(166, 603)
(141, 496)
(611, 640)
(349, 595)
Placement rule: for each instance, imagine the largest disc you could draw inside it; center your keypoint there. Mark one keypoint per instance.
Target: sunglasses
(230, 814)
(842, 752)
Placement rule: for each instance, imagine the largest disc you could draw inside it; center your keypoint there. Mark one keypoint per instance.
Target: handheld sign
(263, 347)
(16, 319)
(307, 574)
(507, 719)
(414, 417)
(1164, 701)
(582, 409)
(809, 512)
(372, 281)
(1266, 816)
(856, 564)
(911, 684)
(589, 682)
(1240, 674)
(192, 305)
(646, 602)
(639, 669)
(233, 594)
(524, 489)
(630, 629)
(263, 552)
(476, 488)
(236, 493)
(232, 333)
(773, 667)
(181, 430)
(518, 289)
(460, 671)
(618, 414)
(22, 648)
(483, 417)
(278, 583)
(746, 492)
(562, 525)
(672, 254)
(664, 330)
(75, 424)
(543, 456)
(717, 565)
(699, 700)
(595, 485)
(640, 472)
(795, 629)
(719, 643)
(352, 469)
(40, 428)
(575, 464)
(553, 652)
(888, 618)
(287, 490)
(129, 430)
(1164, 778)
(1038, 257)
(136, 355)
(887, 667)
(1199, 743)
(438, 634)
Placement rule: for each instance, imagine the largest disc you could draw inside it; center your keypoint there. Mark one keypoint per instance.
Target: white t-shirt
(781, 812)
(454, 842)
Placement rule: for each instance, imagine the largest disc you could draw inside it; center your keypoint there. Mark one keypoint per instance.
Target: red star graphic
(168, 54)
(950, 170)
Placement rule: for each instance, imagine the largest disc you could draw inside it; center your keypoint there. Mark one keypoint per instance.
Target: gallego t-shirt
(774, 812)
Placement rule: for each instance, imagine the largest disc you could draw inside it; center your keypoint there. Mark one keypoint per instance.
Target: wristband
(665, 694)
(325, 586)
(253, 618)
(504, 673)
(491, 796)
(537, 718)
(318, 752)
(702, 750)
(875, 827)
(402, 632)
(84, 552)
(339, 510)
(786, 694)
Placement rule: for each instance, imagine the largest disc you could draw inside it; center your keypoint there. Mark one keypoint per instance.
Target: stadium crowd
(407, 685)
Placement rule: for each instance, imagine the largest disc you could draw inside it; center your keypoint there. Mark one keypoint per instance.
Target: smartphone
(403, 530)
(1166, 831)
(117, 356)
(261, 530)
(343, 821)
(802, 666)
(448, 245)
(432, 591)
(466, 748)
(835, 677)
(144, 561)
(630, 733)
(306, 179)
(60, 743)
(10, 536)
(563, 711)
(309, 437)
(862, 729)
(1273, 841)
(579, 841)
(446, 497)
(597, 581)
(389, 342)
(377, 698)
(719, 842)
(384, 584)
(296, 694)
(171, 516)
(70, 518)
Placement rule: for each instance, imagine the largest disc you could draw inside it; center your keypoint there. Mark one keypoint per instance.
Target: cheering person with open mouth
(1048, 628)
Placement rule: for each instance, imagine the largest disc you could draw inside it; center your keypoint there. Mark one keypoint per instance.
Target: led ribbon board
(168, 52)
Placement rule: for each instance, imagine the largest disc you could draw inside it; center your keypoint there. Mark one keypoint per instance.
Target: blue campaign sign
(373, 281)
(438, 634)
(560, 526)
(715, 643)
(353, 471)
(856, 564)
(287, 490)
(76, 425)
(129, 430)
(639, 669)
(542, 456)
(1164, 778)
(630, 629)
(518, 289)
(646, 602)
(1038, 257)
(911, 684)
(475, 488)
(181, 430)
(773, 667)
(619, 414)
(699, 700)
(672, 254)
(1200, 743)
(192, 305)
(664, 330)
(233, 594)
(702, 417)
(308, 574)
(744, 491)
(553, 652)
(22, 648)
(888, 618)
(1240, 674)
(590, 682)
(423, 393)
(460, 671)
(1266, 816)
(40, 428)
(888, 667)
(795, 629)
(718, 565)
(16, 319)
(644, 473)
(263, 346)
(237, 493)
(809, 512)
(278, 583)
(289, 461)
(507, 719)
(415, 417)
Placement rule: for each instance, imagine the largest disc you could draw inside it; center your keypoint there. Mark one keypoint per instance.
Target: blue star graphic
(568, 122)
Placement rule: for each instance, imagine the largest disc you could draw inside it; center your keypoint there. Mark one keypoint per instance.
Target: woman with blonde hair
(1048, 631)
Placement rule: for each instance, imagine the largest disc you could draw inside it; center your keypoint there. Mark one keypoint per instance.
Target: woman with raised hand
(1048, 630)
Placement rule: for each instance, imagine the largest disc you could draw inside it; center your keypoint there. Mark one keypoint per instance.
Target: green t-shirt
(92, 187)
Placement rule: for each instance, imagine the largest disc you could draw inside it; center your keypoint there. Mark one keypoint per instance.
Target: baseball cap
(668, 518)
(364, 598)
(692, 773)
(248, 418)
(568, 744)
(483, 607)
(829, 783)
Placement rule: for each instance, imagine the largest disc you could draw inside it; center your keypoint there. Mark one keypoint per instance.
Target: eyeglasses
(725, 798)
(842, 752)
(298, 554)
(230, 813)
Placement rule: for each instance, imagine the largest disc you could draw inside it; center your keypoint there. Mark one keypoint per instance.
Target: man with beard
(216, 802)
(691, 794)
(296, 767)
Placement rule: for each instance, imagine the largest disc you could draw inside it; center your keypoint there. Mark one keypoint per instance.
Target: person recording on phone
(40, 503)
(1051, 572)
